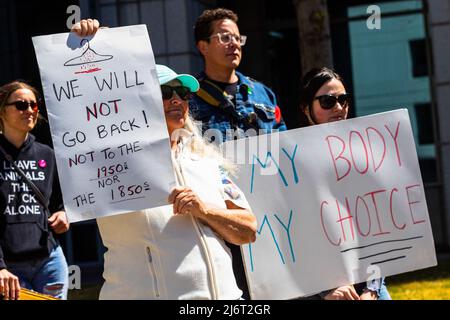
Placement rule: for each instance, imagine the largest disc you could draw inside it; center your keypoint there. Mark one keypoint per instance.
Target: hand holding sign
(86, 27)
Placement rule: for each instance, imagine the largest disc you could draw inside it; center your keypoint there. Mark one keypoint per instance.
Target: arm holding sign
(234, 224)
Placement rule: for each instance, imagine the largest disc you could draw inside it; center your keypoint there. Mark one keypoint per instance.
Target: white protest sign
(336, 204)
(107, 121)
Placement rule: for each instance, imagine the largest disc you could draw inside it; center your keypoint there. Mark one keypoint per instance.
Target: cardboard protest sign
(336, 204)
(107, 121)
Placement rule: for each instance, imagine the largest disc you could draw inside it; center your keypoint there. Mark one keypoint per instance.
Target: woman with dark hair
(30, 255)
(324, 98)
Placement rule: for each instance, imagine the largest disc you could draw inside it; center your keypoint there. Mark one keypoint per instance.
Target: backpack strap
(218, 98)
(211, 93)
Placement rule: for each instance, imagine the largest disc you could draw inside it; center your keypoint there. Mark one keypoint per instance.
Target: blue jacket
(256, 108)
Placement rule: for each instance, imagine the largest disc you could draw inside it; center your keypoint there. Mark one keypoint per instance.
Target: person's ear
(203, 47)
(306, 111)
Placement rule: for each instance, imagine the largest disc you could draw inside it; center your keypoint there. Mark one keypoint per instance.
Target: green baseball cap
(165, 74)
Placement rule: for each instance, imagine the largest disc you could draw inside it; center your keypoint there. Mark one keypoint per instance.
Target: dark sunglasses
(328, 101)
(24, 105)
(183, 92)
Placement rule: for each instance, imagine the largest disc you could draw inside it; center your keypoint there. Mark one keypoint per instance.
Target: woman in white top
(178, 251)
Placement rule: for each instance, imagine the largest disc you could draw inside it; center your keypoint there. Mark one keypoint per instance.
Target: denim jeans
(383, 293)
(49, 276)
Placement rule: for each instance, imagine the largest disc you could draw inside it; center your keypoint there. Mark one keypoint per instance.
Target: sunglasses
(328, 101)
(182, 91)
(24, 105)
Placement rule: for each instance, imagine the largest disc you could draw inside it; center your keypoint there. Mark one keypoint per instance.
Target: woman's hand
(369, 295)
(86, 27)
(343, 293)
(58, 222)
(9, 285)
(186, 201)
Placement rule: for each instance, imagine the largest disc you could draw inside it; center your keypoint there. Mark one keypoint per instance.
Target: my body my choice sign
(107, 122)
(336, 204)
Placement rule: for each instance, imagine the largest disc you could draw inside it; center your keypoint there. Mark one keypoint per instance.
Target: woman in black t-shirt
(30, 256)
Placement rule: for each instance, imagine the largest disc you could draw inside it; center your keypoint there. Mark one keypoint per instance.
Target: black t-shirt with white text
(23, 220)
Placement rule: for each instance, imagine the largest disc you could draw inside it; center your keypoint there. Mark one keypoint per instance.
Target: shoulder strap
(215, 96)
(35, 189)
(211, 93)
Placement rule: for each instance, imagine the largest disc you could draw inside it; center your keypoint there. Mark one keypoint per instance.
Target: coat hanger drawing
(87, 59)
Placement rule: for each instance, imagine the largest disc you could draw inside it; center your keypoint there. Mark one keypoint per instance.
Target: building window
(425, 125)
(418, 57)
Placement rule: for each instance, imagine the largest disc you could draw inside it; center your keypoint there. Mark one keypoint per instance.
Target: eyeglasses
(226, 38)
(182, 91)
(328, 101)
(24, 105)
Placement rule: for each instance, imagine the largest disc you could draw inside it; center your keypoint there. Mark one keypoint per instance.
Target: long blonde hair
(200, 146)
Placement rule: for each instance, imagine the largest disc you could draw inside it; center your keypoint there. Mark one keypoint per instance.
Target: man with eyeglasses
(228, 101)
(229, 104)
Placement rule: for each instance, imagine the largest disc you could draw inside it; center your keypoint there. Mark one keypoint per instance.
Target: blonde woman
(178, 251)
